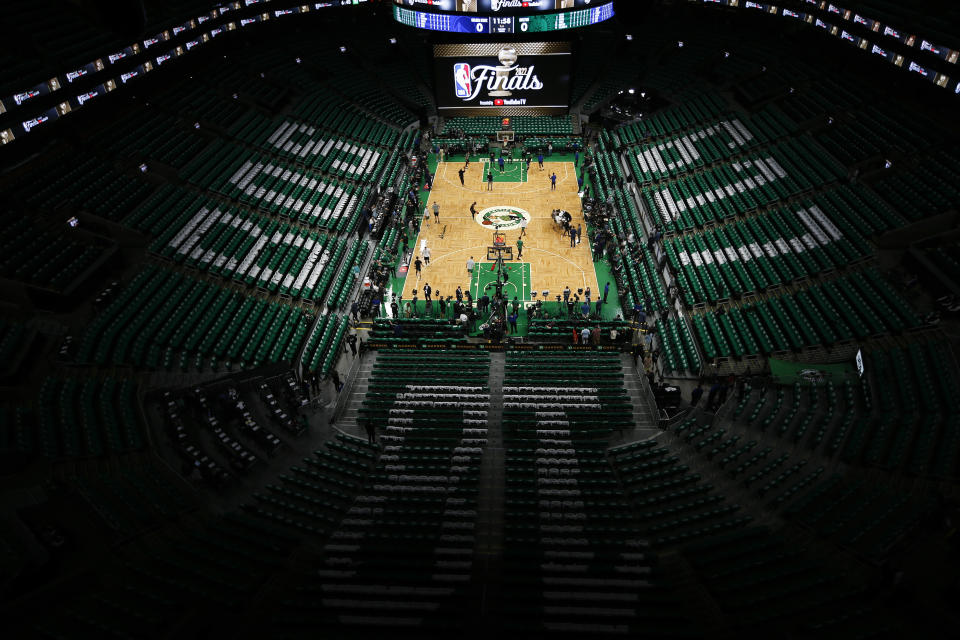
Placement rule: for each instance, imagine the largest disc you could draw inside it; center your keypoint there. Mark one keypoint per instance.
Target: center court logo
(502, 218)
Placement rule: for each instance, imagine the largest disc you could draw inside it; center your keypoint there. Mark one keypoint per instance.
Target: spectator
(695, 395)
(352, 343)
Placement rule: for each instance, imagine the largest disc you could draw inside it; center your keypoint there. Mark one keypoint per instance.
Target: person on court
(426, 256)
(553, 182)
(417, 265)
(473, 209)
(436, 212)
(470, 265)
(489, 180)
(466, 164)
(540, 160)
(500, 163)
(519, 248)
(460, 173)
(523, 227)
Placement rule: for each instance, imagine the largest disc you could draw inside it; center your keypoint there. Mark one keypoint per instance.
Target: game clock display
(533, 23)
(495, 7)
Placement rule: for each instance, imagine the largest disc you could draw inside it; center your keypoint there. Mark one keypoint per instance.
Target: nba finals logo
(461, 80)
(496, 5)
(500, 81)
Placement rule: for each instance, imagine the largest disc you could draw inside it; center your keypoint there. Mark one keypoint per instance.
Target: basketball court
(548, 262)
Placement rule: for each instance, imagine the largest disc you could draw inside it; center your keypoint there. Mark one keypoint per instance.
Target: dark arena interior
(462, 318)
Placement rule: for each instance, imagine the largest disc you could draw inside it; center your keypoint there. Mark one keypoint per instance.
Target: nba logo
(461, 80)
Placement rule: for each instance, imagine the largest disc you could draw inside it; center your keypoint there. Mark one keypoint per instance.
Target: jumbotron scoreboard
(533, 22)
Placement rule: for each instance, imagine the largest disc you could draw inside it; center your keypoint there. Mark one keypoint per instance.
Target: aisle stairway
(488, 565)
(644, 409)
(357, 387)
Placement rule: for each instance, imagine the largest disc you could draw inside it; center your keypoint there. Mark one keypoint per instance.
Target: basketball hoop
(499, 251)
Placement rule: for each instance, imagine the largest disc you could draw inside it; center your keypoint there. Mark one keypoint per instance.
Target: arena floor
(553, 263)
